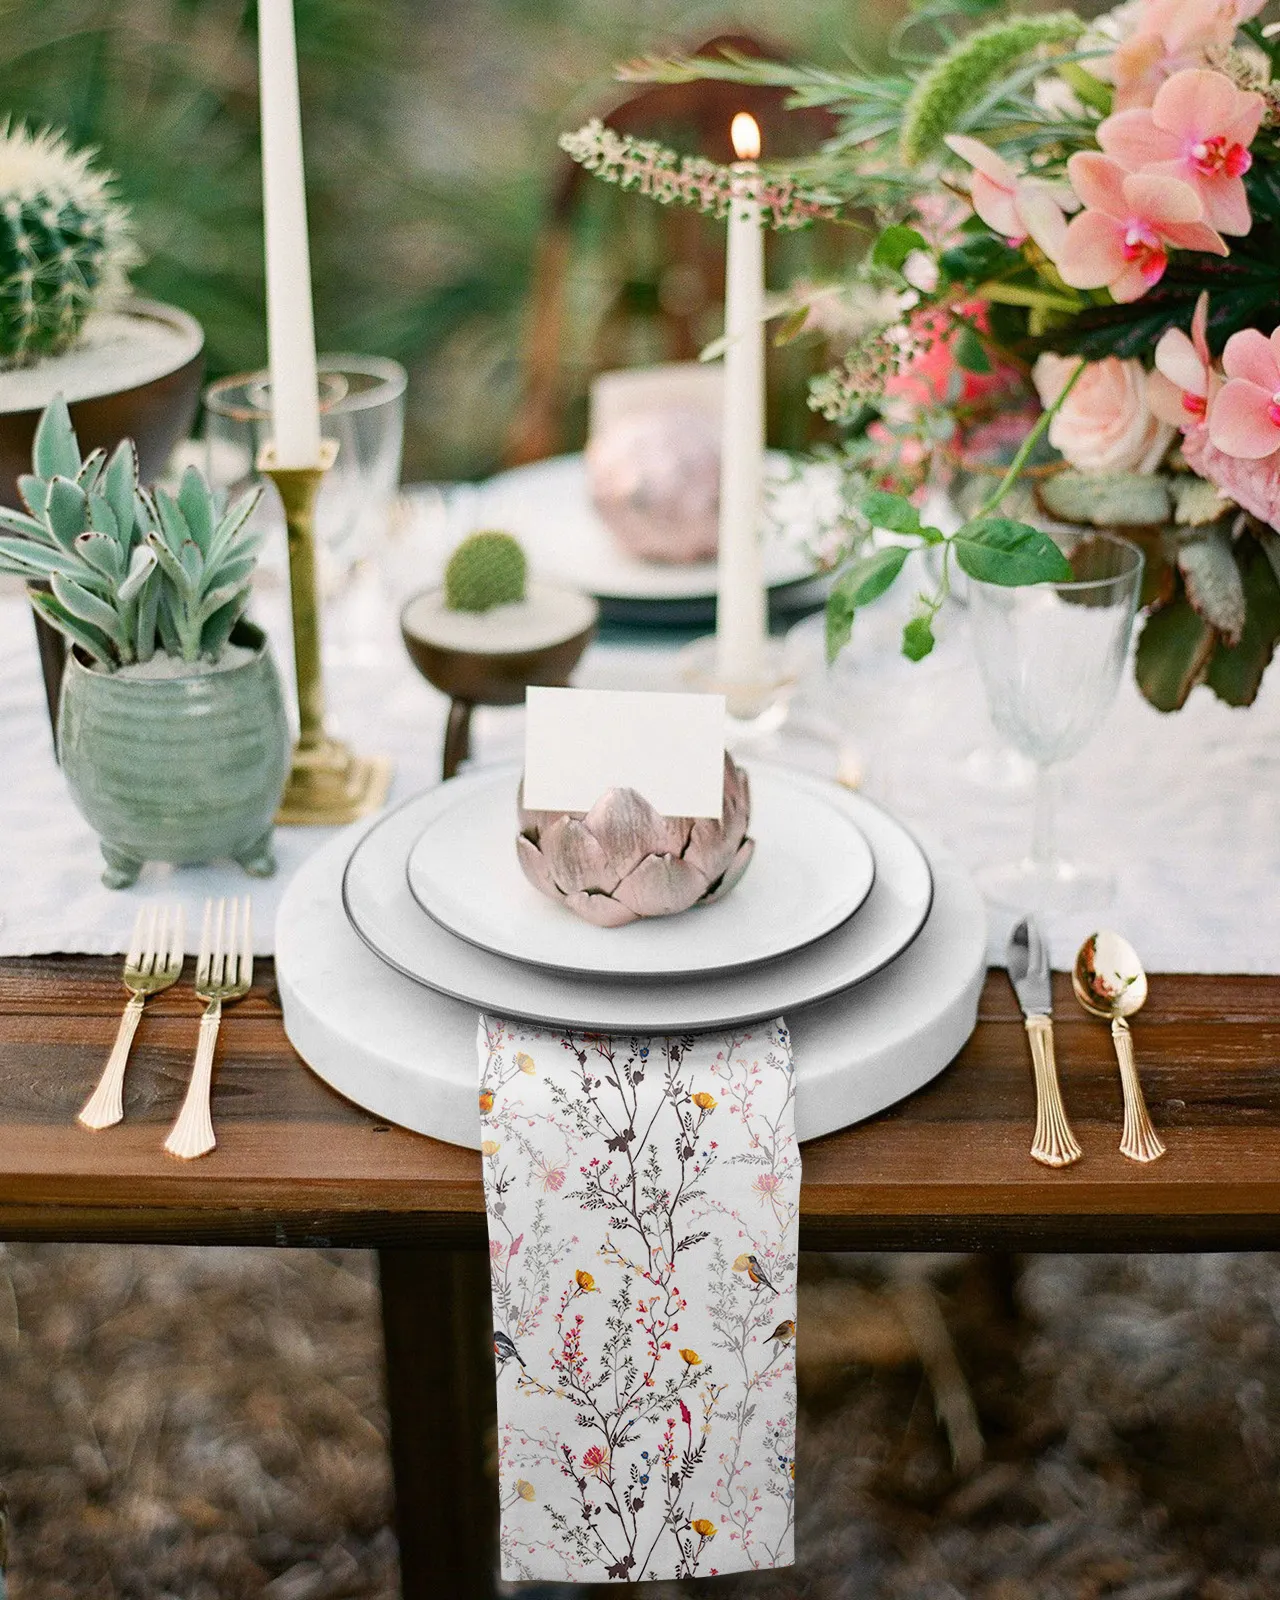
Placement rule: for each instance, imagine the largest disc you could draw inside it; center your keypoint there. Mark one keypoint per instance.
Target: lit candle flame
(745, 133)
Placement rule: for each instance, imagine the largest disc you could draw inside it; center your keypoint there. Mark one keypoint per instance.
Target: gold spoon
(1109, 982)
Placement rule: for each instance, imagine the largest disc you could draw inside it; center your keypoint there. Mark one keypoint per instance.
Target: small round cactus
(65, 243)
(486, 570)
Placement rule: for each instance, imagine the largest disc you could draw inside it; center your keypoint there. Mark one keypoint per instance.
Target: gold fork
(224, 972)
(154, 962)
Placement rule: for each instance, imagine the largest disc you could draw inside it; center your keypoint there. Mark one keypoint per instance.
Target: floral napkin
(643, 1198)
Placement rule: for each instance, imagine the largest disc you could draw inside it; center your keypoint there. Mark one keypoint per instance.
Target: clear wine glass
(1051, 655)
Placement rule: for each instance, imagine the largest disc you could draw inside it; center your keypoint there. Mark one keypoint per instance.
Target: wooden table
(297, 1165)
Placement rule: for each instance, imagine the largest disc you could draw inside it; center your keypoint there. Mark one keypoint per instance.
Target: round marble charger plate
(811, 871)
(548, 507)
(376, 894)
(408, 1054)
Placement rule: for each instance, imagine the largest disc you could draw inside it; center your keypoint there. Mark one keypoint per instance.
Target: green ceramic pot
(184, 770)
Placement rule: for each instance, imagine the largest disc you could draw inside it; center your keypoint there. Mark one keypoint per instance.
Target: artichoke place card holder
(629, 806)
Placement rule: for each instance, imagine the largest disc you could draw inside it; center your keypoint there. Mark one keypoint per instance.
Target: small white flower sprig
(666, 176)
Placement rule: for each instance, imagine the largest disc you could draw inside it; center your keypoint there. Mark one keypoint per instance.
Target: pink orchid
(1015, 206)
(1244, 420)
(1253, 485)
(1199, 128)
(1131, 220)
(1171, 36)
(1179, 391)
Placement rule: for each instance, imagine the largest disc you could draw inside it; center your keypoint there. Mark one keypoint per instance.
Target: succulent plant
(486, 570)
(65, 243)
(622, 860)
(127, 572)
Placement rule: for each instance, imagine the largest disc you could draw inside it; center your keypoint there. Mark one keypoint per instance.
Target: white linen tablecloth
(1186, 807)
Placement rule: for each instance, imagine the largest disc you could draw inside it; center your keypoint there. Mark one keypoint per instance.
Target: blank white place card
(580, 742)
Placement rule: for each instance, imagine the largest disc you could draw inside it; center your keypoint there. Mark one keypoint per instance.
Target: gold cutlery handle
(192, 1133)
(1140, 1141)
(1054, 1144)
(105, 1106)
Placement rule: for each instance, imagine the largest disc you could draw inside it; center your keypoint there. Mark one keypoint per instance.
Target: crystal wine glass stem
(1044, 822)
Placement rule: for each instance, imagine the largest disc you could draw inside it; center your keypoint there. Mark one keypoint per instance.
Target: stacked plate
(392, 938)
(547, 505)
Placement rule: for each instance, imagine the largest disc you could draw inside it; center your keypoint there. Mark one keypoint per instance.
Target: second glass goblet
(1051, 655)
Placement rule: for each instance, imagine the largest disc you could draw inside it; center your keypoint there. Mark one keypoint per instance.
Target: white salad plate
(811, 871)
(547, 505)
(383, 912)
(408, 1054)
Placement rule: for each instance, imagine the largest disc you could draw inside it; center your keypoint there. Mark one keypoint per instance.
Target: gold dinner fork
(224, 972)
(154, 962)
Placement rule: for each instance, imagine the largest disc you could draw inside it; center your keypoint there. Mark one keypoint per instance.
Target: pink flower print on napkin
(1131, 220)
(1198, 129)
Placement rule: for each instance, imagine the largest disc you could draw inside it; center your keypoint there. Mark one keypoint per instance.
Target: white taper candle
(741, 610)
(295, 408)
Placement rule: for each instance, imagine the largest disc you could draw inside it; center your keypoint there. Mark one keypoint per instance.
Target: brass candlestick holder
(328, 783)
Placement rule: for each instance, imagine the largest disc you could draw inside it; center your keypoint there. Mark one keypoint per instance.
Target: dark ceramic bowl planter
(497, 675)
(186, 769)
(155, 413)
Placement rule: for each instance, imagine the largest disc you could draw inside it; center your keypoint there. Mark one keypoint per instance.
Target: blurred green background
(431, 149)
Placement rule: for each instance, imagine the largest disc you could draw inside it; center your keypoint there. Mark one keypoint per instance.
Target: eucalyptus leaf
(1107, 499)
(1000, 550)
(1235, 672)
(1215, 587)
(1173, 654)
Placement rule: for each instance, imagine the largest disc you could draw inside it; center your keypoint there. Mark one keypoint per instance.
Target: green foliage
(65, 243)
(894, 245)
(1000, 550)
(127, 573)
(486, 570)
(1107, 499)
(959, 79)
(990, 549)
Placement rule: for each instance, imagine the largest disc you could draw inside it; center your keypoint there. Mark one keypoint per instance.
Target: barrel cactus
(65, 243)
(124, 573)
(486, 570)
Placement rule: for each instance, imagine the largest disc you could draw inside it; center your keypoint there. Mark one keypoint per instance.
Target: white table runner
(1187, 806)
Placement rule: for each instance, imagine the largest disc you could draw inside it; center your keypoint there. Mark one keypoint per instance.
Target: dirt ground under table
(209, 1425)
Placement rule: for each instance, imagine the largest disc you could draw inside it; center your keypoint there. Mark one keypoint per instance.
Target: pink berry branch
(651, 169)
